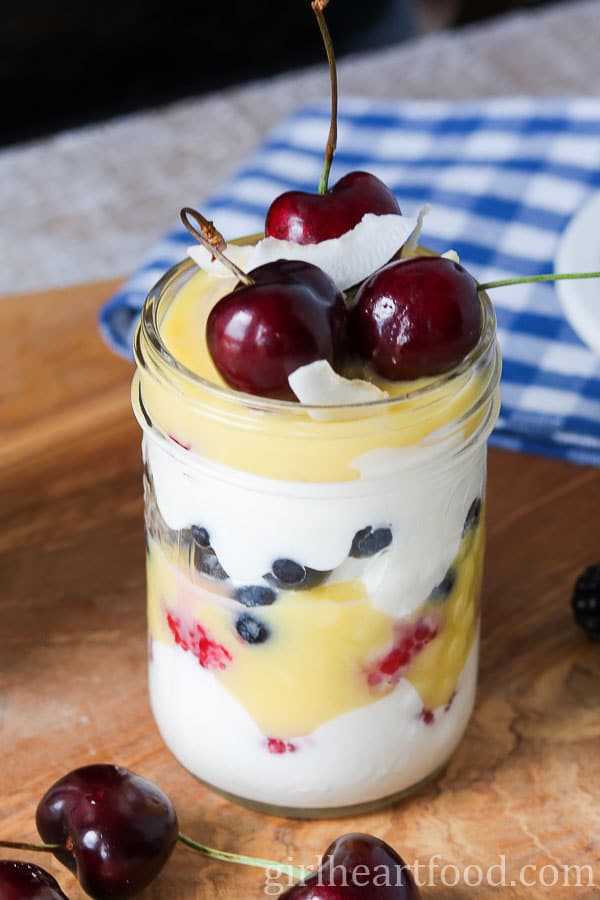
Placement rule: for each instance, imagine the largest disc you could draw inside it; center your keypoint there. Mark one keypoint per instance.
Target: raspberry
(409, 640)
(427, 715)
(278, 746)
(586, 602)
(195, 639)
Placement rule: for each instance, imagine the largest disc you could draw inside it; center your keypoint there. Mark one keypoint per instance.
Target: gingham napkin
(503, 178)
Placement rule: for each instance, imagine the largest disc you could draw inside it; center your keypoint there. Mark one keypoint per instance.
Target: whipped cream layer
(253, 521)
(373, 752)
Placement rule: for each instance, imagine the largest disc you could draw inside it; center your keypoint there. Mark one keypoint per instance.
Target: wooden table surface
(525, 782)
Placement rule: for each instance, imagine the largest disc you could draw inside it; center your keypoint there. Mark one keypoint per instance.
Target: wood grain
(525, 781)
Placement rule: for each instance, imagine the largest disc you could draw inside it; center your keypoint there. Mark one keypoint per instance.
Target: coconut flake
(350, 258)
(451, 255)
(317, 384)
(411, 244)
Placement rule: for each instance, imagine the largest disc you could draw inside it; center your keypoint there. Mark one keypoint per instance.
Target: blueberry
(203, 555)
(200, 535)
(289, 574)
(473, 516)
(442, 591)
(255, 595)
(251, 630)
(207, 562)
(367, 542)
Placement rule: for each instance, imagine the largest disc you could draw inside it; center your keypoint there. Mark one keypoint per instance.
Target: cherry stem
(212, 240)
(282, 868)
(318, 6)
(528, 279)
(40, 848)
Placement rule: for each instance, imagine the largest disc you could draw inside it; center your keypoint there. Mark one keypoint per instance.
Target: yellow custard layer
(329, 650)
(287, 444)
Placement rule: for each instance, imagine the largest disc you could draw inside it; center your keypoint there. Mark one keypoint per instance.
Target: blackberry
(255, 595)
(251, 630)
(586, 602)
(368, 542)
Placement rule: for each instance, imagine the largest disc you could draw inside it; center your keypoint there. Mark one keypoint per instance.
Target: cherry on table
(26, 881)
(416, 317)
(357, 867)
(118, 829)
(291, 315)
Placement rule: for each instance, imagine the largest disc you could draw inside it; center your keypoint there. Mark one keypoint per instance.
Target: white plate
(579, 251)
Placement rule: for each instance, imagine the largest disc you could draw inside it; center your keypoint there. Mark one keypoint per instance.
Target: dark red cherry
(291, 316)
(25, 881)
(357, 867)
(416, 317)
(118, 829)
(311, 218)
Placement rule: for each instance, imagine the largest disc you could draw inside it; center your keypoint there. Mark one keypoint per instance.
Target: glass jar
(313, 576)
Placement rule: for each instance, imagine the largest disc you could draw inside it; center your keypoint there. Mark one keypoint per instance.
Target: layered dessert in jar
(314, 568)
(315, 406)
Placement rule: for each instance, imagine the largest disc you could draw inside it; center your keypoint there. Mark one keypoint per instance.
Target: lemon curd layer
(329, 650)
(287, 443)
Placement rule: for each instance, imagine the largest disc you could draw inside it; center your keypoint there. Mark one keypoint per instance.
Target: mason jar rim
(148, 333)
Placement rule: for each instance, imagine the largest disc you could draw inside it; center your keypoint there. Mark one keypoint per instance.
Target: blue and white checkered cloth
(503, 177)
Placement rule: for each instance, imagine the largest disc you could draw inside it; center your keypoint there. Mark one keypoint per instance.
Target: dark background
(68, 62)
